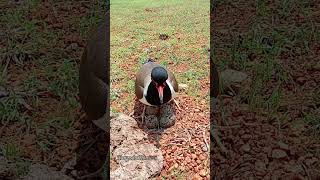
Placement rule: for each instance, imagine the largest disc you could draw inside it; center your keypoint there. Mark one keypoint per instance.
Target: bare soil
(258, 146)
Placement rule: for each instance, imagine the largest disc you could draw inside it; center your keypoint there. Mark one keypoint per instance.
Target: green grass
(11, 151)
(10, 109)
(135, 30)
(13, 155)
(94, 17)
(49, 132)
(63, 81)
(260, 50)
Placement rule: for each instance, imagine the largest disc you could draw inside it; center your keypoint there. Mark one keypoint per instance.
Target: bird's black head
(158, 90)
(159, 75)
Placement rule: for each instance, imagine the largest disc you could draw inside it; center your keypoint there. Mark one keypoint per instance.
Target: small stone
(283, 146)
(246, 148)
(188, 160)
(72, 46)
(246, 137)
(311, 161)
(74, 173)
(204, 149)
(3, 92)
(203, 173)
(183, 86)
(202, 157)
(147, 50)
(176, 165)
(301, 80)
(278, 154)
(196, 177)
(295, 168)
(197, 168)
(260, 166)
(194, 156)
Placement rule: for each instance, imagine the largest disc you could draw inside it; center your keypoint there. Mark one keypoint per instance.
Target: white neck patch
(173, 93)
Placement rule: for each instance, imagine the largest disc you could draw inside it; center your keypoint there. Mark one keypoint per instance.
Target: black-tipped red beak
(160, 90)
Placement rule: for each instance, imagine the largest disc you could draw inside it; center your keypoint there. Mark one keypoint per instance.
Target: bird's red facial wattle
(160, 88)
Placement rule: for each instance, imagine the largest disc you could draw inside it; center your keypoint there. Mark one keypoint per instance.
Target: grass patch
(11, 107)
(13, 154)
(41, 69)
(63, 81)
(135, 36)
(94, 17)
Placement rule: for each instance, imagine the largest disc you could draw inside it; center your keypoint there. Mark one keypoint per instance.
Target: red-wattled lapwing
(155, 85)
(94, 82)
(93, 74)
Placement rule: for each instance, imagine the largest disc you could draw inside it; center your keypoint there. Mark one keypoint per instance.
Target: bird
(94, 81)
(94, 74)
(155, 85)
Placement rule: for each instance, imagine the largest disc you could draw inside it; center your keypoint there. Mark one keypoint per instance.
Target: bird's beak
(160, 90)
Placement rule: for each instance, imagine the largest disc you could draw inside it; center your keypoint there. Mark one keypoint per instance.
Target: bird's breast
(152, 95)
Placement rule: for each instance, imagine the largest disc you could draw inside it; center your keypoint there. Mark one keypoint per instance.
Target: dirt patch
(43, 42)
(258, 138)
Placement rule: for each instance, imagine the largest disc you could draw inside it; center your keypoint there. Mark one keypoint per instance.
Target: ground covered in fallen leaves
(268, 126)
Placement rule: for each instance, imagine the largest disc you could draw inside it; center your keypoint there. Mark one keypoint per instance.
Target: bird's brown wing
(143, 73)
(93, 75)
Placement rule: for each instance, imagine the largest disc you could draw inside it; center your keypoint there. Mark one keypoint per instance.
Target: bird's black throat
(153, 94)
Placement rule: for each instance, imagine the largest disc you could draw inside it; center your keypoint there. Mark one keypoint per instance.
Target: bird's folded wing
(173, 81)
(139, 91)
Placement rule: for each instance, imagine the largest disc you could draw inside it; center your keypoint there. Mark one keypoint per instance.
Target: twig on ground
(189, 136)
(4, 72)
(2, 128)
(177, 104)
(219, 143)
(305, 170)
(205, 140)
(223, 116)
